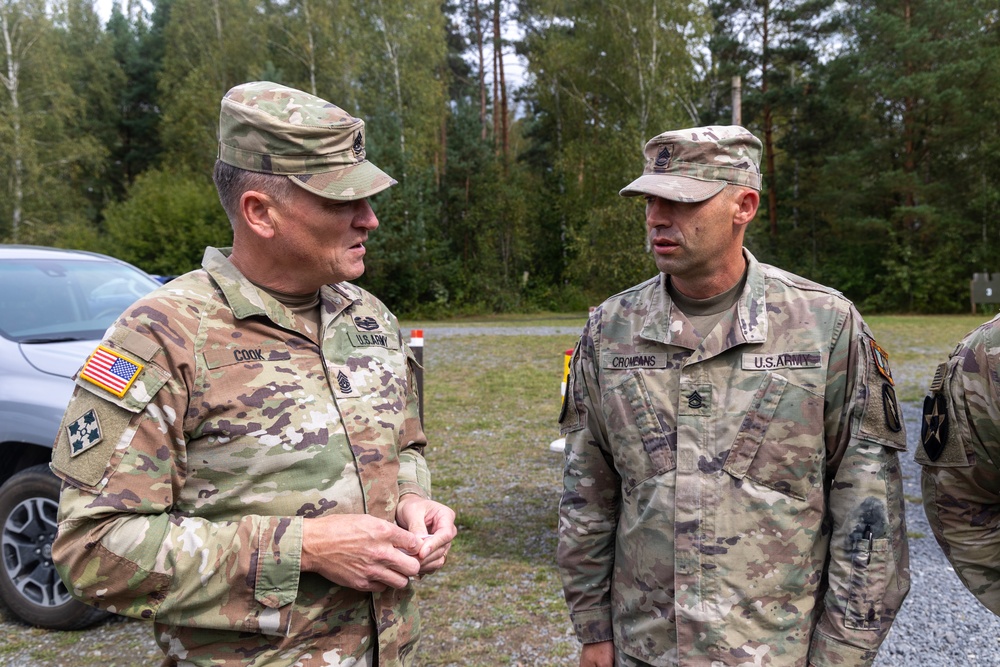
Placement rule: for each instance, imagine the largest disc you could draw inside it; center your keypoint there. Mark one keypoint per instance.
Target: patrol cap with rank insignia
(273, 129)
(696, 164)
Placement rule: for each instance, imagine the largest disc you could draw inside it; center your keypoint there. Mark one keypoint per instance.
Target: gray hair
(232, 182)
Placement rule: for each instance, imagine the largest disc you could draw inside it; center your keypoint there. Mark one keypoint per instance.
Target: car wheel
(29, 584)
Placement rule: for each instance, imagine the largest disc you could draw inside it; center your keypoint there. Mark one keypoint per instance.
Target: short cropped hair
(232, 182)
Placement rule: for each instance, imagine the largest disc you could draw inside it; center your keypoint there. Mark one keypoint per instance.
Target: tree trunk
(311, 56)
(478, 19)
(11, 81)
(220, 72)
(498, 47)
(392, 53)
(496, 80)
(909, 149)
(772, 189)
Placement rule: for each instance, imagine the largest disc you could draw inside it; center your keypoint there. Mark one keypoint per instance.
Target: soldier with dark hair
(732, 493)
(243, 457)
(960, 455)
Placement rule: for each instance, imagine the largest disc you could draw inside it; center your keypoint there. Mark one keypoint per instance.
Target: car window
(65, 299)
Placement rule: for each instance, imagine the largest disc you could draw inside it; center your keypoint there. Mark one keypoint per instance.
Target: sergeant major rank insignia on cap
(110, 371)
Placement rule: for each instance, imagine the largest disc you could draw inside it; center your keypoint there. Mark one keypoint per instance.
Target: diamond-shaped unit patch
(83, 433)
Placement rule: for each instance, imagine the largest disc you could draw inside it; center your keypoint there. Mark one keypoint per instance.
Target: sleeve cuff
(278, 566)
(593, 626)
(414, 475)
(825, 651)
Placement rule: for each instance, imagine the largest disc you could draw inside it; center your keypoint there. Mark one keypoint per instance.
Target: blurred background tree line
(879, 119)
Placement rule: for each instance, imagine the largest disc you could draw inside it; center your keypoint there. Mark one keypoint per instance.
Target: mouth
(663, 246)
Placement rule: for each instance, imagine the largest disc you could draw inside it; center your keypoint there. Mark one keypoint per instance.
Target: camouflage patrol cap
(273, 129)
(695, 164)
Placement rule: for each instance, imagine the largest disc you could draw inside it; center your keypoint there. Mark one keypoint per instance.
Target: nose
(657, 212)
(364, 216)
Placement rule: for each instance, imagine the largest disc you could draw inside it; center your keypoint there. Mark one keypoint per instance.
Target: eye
(335, 205)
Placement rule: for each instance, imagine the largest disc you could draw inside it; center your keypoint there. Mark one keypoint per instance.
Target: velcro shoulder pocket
(92, 438)
(945, 434)
(121, 371)
(881, 419)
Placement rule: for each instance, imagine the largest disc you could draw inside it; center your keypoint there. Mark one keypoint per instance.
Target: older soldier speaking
(732, 494)
(242, 456)
(960, 455)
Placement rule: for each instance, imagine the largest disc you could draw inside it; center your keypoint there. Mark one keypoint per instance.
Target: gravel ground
(940, 625)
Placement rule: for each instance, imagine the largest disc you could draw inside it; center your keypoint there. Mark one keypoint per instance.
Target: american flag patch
(110, 370)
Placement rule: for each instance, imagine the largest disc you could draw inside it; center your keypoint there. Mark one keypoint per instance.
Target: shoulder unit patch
(83, 433)
(881, 359)
(934, 426)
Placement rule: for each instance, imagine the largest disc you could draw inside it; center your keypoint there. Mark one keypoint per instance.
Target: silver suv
(55, 306)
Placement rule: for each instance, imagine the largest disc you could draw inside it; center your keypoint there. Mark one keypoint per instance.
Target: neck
(262, 272)
(712, 285)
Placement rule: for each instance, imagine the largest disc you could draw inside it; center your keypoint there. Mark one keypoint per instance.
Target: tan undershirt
(704, 314)
(305, 306)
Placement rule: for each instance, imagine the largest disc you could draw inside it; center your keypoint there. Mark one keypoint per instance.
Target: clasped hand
(366, 553)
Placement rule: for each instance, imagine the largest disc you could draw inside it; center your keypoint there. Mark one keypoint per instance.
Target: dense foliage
(878, 116)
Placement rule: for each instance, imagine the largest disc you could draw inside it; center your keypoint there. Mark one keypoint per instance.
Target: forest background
(880, 120)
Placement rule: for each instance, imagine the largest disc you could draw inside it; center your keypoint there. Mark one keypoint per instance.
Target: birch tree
(20, 24)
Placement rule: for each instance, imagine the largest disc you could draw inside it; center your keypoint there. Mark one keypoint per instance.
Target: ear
(746, 203)
(259, 211)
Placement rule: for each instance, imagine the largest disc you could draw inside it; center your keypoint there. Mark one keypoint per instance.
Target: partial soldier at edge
(960, 456)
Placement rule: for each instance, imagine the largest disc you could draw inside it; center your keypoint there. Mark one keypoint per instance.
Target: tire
(29, 584)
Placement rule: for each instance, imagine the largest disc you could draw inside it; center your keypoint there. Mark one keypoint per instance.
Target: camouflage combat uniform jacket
(960, 454)
(734, 498)
(184, 496)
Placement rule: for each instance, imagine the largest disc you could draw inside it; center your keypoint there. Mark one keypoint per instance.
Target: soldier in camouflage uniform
(732, 493)
(960, 454)
(242, 457)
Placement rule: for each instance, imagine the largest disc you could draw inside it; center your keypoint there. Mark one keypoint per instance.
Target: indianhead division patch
(83, 433)
(881, 359)
(110, 371)
(934, 426)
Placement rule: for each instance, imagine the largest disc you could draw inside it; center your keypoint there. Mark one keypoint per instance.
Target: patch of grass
(491, 405)
(912, 499)
(914, 534)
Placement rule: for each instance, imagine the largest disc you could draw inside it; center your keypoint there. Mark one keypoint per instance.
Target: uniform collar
(746, 323)
(246, 300)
